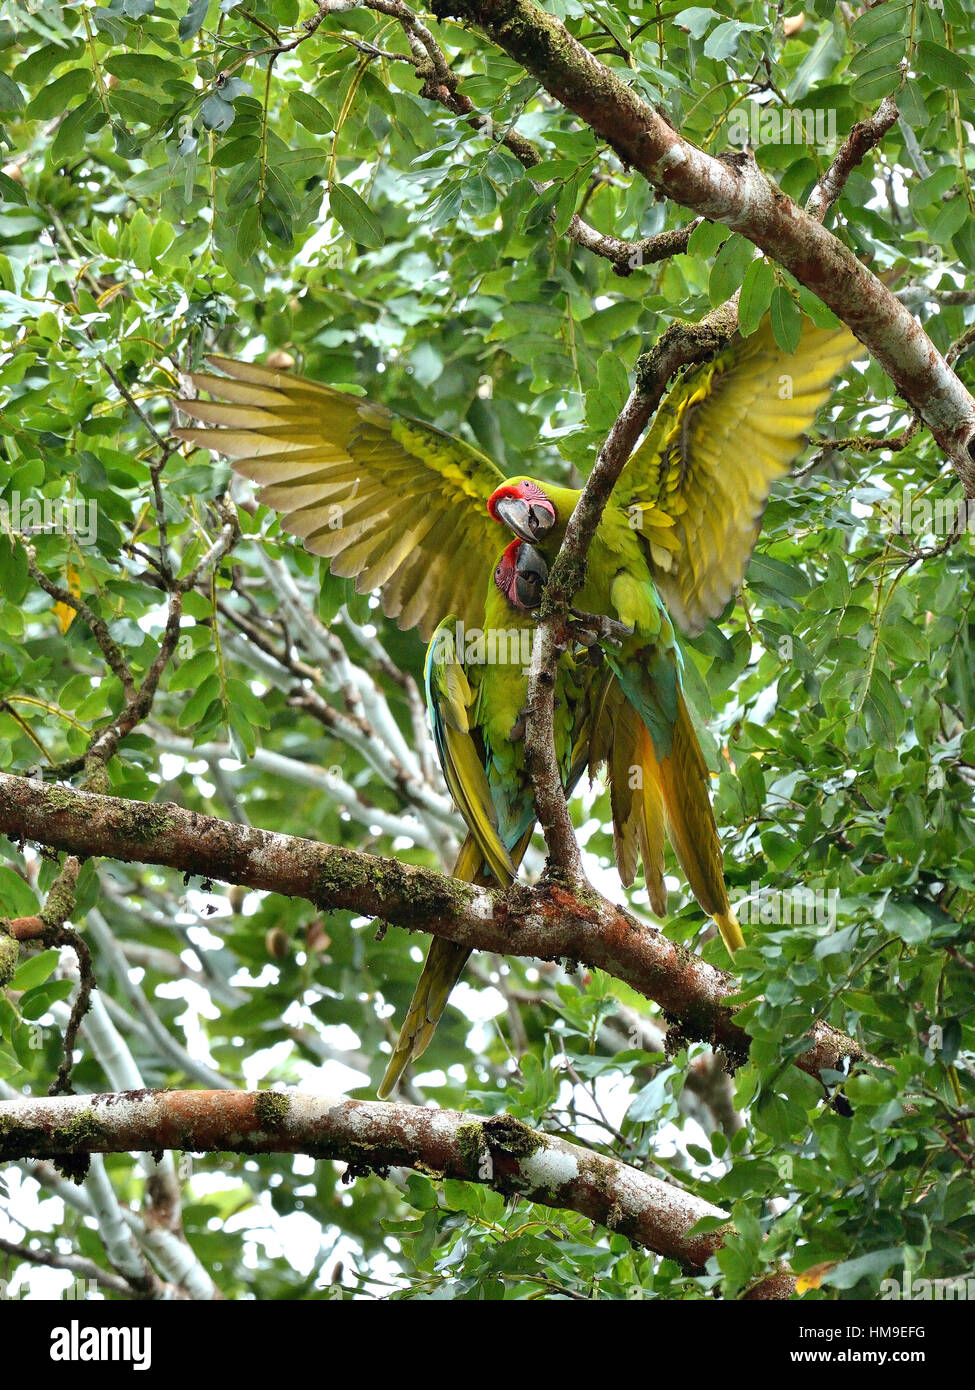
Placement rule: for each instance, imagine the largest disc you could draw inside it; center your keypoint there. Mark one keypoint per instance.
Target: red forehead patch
(526, 490)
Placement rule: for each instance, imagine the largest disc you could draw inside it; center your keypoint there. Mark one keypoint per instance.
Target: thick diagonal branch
(734, 191)
(681, 345)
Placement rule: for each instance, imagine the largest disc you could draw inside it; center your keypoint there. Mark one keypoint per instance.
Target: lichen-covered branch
(547, 922)
(733, 190)
(372, 1136)
(862, 138)
(77, 1265)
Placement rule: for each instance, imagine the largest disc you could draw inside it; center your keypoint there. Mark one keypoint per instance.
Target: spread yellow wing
(697, 486)
(397, 504)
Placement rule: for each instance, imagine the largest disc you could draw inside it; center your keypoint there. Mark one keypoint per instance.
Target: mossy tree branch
(547, 922)
(373, 1136)
(681, 345)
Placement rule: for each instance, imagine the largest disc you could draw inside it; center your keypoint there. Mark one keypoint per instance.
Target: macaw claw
(521, 723)
(590, 628)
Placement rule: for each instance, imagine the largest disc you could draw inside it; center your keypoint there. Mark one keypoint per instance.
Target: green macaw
(475, 688)
(403, 507)
(679, 527)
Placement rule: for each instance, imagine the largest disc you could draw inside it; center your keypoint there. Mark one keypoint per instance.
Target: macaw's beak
(531, 575)
(531, 520)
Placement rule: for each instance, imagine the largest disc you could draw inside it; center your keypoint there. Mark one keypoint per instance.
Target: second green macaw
(475, 687)
(682, 520)
(646, 661)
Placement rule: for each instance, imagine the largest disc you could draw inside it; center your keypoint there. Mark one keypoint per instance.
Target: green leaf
(722, 42)
(217, 114)
(194, 18)
(871, 86)
(883, 710)
(310, 113)
(953, 215)
(242, 737)
(249, 232)
(147, 68)
(781, 1119)
(565, 207)
(199, 703)
(729, 268)
(756, 295)
(908, 922)
(139, 237)
(786, 319)
(947, 69)
(876, 1263)
(885, 52)
(11, 191)
(11, 97)
(35, 971)
(251, 706)
(193, 671)
(16, 898)
(697, 20)
(53, 98)
(37, 1001)
(964, 243)
(706, 238)
(354, 216)
(160, 240)
(752, 787)
(879, 22)
(777, 579)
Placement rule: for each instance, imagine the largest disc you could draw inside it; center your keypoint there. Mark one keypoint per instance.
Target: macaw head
(524, 507)
(520, 575)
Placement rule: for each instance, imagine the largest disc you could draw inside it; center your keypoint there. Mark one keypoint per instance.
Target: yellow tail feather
(731, 934)
(690, 822)
(442, 969)
(638, 807)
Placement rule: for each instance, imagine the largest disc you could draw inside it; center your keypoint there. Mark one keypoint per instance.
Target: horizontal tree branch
(373, 1136)
(77, 1265)
(547, 921)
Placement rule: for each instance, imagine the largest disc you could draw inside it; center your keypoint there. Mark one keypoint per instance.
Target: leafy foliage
(178, 180)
